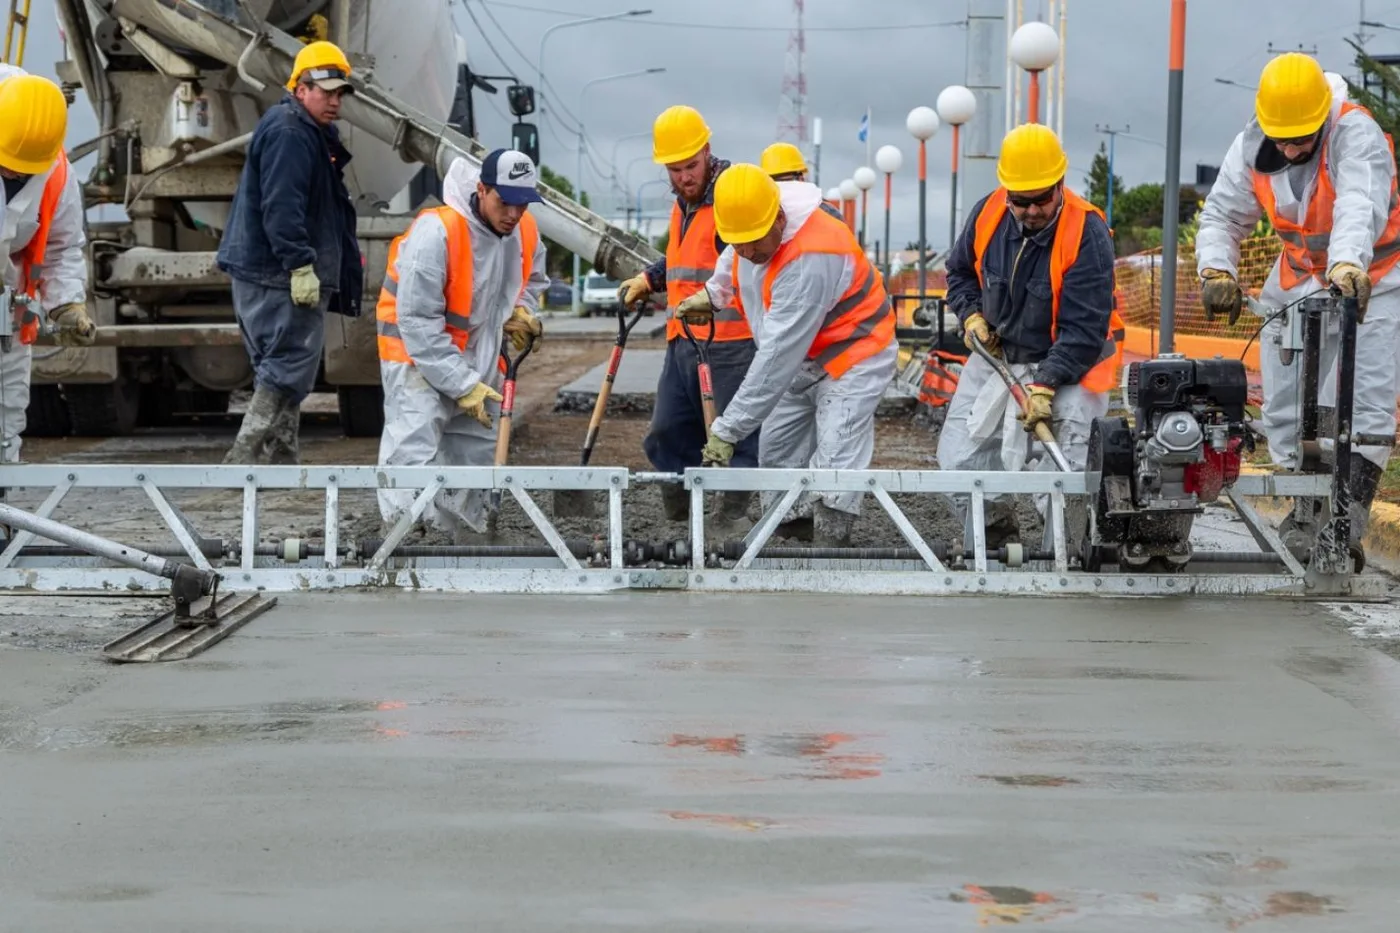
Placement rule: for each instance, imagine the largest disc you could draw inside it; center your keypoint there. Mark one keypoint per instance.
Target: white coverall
(422, 424)
(64, 281)
(1361, 169)
(809, 419)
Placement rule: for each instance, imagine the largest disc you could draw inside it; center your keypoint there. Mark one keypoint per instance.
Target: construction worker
(452, 294)
(681, 142)
(1032, 277)
(1323, 172)
(826, 347)
(291, 251)
(783, 162)
(44, 273)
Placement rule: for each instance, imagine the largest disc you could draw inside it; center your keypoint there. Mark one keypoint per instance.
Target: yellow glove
(522, 327)
(633, 290)
(474, 402)
(1220, 294)
(75, 328)
(1039, 400)
(697, 310)
(716, 452)
(977, 324)
(1352, 282)
(306, 288)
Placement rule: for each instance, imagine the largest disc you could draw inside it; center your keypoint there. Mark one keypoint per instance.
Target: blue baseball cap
(513, 176)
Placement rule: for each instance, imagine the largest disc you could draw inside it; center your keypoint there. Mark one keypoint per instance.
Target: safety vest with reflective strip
(861, 323)
(690, 261)
(457, 291)
(1069, 231)
(940, 381)
(529, 242)
(1305, 245)
(30, 261)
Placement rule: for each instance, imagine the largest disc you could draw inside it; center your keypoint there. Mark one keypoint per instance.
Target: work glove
(474, 402)
(1352, 282)
(977, 324)
(306, 288)
(697, 311)
(633, 290)
(1039, 402)
(1220, 294)
(522, 327)
(716, 452)
(73, 326)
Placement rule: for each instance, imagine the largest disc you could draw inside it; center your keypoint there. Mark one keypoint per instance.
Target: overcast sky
(726, 58)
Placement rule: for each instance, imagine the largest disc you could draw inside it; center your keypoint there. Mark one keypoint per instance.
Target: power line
(544, 80)
(671, 24)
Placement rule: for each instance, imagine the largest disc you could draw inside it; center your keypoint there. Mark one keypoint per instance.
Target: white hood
(459, 185)
(800, 199)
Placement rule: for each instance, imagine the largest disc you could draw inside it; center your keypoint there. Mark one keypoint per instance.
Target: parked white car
(599, 294)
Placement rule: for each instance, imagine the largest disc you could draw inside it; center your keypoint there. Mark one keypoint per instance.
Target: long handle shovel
(503, 423)
(577, 503)
(707, 385)
(1043, 431)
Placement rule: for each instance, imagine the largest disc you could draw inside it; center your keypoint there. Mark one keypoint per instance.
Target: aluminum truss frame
(563, 572)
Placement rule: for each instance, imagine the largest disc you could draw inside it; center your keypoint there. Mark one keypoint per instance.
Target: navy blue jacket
(1017, 299)
(292, 208)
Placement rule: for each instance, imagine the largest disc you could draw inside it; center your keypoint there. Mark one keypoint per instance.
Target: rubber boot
(250, 446)
(675, 502)
(832, 527)
(282, 437)
(730, 517)
(1365, 477)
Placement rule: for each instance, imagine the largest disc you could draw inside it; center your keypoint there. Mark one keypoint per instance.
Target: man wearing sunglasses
(1032, 277)
(1323, 171)
(291, 251)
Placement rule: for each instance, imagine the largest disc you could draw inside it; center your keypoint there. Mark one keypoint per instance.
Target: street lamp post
(578, 280)
(539, 67)
(849, 191)
(956, 105)
(1034, 47)
(865, 179)
(922, 123)
(888, 159)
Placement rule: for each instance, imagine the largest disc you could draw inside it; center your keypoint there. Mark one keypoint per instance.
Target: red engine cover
(1215, 472)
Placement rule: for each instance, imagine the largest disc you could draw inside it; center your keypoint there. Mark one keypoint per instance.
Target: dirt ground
(544, 438)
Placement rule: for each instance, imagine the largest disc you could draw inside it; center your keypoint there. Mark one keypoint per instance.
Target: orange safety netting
(1139, 279)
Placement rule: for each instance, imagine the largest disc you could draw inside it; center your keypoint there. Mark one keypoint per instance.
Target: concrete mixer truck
(177, 88)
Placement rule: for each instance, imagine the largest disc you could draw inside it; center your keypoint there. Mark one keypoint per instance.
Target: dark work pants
(678, 422)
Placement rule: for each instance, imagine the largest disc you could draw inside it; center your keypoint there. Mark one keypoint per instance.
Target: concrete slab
(634, 389)
(569, 326)
(687, 763)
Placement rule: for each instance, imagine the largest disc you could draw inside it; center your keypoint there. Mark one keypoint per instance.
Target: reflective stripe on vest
(861, 323)
(939, 382)
(1305, 245)
(690, 262)
(30, 261)
(1069, 231)
(529, 242)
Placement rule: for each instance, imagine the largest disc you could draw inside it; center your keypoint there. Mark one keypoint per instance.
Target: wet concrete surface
(725, 763)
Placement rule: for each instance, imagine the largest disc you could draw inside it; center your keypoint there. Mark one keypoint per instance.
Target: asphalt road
(682, 763)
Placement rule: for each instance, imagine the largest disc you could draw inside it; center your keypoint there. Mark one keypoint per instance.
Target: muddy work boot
(282, 437)
(1365, 477)
(675, 502)
(831, 527)
(730, 516)
(262, 419)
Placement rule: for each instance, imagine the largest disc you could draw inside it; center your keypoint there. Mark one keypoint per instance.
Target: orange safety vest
(940, 381)
(457, 290)
(1305, 245)
(861, 323)
(689, 264)
(529, 242)
(30, 260)
(1069, 230)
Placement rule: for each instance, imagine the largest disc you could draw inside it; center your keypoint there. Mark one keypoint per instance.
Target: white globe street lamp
(956, 105)
(848, 201)
(888, 159)
(1034, 47)
(865, 179)
(922, 123)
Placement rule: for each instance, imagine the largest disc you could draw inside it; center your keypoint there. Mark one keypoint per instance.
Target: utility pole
(1112, 135)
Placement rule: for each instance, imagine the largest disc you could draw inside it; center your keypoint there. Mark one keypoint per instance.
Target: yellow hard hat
(746, 203)
(678, 134)
(782, 159)
(33, 121)
(1294, 97)
(323, 56)
(1031, 158)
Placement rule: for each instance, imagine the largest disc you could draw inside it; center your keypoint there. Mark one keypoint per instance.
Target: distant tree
(1097, 183)
(662, 241)
(1384, 107)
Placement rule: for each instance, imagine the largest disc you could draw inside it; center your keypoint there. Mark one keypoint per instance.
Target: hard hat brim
(1291, 130)
(738, 236)
(679, 155)
(26, 167)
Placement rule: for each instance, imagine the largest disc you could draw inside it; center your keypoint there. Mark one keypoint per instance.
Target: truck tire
(104, 410)
(361, 410)
(47, 415)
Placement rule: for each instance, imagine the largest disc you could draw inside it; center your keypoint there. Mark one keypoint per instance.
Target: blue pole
(1112, 138)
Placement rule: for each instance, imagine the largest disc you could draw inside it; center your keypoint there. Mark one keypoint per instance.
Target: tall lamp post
(578, 279)
(1034, 47)
(922, 123)
(849, 191)
(865, 179)
(888, 159)
(539, 66)
(956, 105)
(832, 196)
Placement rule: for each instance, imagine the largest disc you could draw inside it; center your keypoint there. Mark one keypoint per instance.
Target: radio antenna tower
(792, 106)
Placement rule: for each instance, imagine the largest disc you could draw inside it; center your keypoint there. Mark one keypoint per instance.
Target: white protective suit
(1362, 169)
(64, 282)
(809, 420)
(422, 424)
